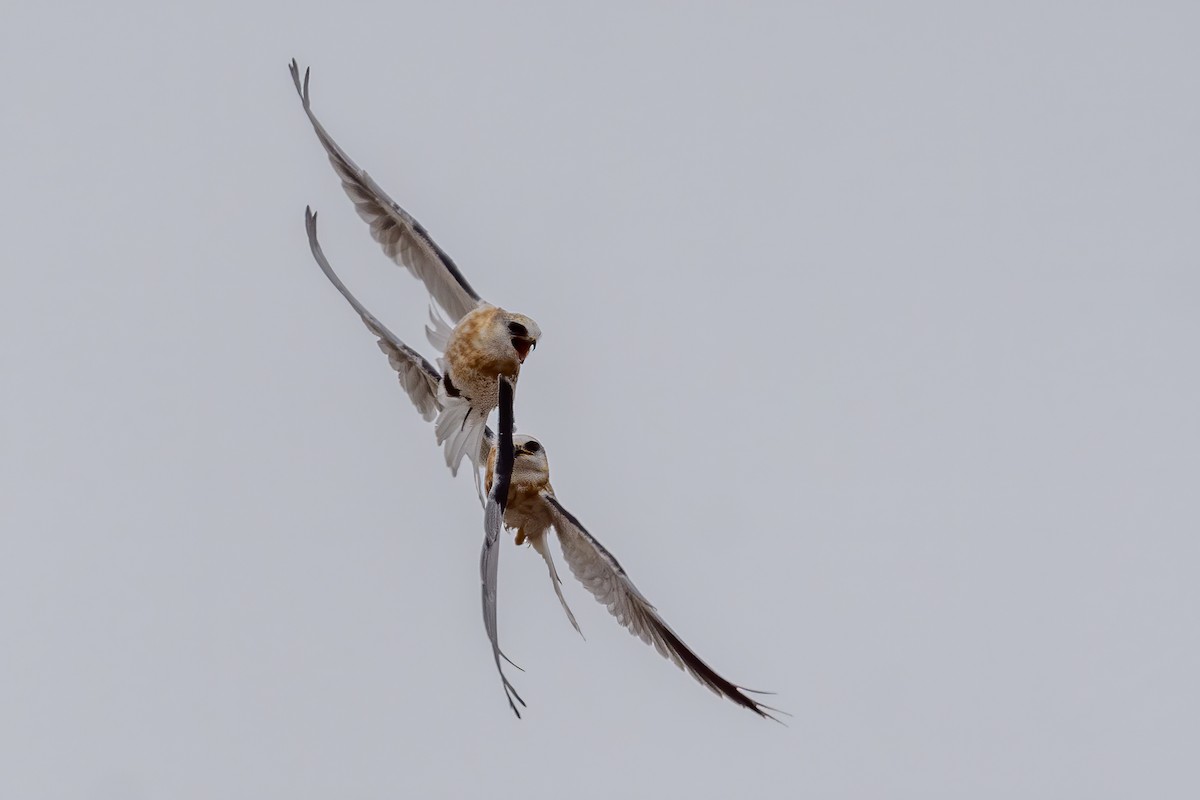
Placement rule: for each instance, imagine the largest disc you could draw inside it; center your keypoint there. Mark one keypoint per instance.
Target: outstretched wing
(403, 239)
(599, 572)
(493, 519)
(418, 377)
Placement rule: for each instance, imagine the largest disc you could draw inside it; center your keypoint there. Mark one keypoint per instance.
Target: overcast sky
(870, 349)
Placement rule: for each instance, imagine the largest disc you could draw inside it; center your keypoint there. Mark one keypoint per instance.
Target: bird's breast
(478, 351)
(526, 509)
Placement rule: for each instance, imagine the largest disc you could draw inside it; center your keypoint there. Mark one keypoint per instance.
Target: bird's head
(521, 332)
(530, 465)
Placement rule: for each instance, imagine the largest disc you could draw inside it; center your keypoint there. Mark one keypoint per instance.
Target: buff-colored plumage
(526, 513)
(480, 349)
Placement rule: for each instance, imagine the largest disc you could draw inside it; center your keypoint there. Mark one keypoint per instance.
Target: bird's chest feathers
(526, 511)
(478, 351)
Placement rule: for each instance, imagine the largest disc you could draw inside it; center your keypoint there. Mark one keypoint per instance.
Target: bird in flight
(485, 344)
(531, 508)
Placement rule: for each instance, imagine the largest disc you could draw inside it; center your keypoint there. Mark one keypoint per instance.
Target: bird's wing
(418, 377)
(438, 331)
(403, 239)
(602, 575)
(493, 520)
(541, 544)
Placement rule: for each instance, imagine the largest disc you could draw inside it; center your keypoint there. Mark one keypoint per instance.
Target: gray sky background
(870, 350)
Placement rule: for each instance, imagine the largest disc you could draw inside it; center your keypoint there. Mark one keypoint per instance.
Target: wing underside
(601, 574)
(402, 237)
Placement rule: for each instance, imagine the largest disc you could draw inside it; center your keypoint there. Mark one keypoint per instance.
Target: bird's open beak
(523, 344)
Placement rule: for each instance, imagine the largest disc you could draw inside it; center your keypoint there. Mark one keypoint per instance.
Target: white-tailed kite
(533, 510)
(486, 341)
(523, 498)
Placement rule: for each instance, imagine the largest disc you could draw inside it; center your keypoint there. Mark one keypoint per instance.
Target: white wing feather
(438, 331)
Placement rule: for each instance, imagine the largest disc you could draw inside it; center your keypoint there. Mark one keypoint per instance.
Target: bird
(481, 344)
(531, 509)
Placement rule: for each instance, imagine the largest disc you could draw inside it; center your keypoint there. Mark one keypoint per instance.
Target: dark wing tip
(758, 708)
(294, 69)
(735, 693)
(711, 678)
(762, 709)
(301, 88)
(513, 706)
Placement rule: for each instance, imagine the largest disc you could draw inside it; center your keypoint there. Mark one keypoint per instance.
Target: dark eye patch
(532, 447)
(517, 329)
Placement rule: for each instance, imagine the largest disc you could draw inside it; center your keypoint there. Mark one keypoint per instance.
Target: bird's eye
(517, 329)
(532, 447)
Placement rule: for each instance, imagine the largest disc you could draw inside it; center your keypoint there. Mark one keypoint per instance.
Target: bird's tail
(460, 429)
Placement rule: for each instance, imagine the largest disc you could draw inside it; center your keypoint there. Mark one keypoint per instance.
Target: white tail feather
(461, 431)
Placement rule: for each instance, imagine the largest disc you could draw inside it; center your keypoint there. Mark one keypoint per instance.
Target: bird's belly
(526, 511)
